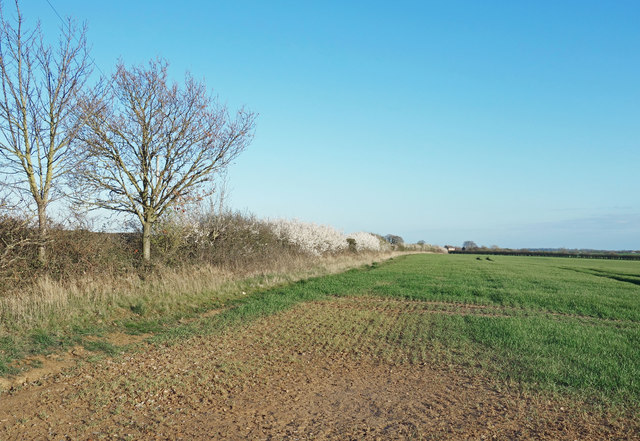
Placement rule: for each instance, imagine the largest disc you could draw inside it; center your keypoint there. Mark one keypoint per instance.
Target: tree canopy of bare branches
(469, 245)
(394, 239)
(40, 95)
(150, 144)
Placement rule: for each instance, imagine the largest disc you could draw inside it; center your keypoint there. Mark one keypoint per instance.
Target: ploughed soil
(250, 383)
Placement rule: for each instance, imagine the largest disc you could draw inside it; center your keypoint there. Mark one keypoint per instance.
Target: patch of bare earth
(264, 381)
(54, 363)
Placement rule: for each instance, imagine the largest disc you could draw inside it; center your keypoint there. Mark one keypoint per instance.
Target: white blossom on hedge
(310, 237)
(365, 241)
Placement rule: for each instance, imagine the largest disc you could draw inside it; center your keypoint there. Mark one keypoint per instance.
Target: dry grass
(57, 304)
(96, 283)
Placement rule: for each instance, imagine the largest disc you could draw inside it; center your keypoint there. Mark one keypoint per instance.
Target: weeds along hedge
(230, 240)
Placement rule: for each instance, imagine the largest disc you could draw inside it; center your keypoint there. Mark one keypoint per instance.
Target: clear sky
(514, 123)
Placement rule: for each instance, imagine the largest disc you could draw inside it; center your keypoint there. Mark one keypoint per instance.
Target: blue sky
(502, 122)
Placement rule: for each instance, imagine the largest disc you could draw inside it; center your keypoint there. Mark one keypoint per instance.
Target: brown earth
(257, 383)
(54, 363)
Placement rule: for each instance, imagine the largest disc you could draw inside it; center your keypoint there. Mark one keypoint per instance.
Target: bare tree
(150, 145)
(38, 119)
(394, 239)
(469, 245)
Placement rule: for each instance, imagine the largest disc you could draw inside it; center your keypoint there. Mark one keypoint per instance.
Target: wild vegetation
(95, 283)
(538, 348)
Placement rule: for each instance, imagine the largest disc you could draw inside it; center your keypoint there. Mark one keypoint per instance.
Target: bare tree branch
(149, 145)
(39, 104)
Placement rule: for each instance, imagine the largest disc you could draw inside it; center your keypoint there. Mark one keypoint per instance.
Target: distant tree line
(554, 253)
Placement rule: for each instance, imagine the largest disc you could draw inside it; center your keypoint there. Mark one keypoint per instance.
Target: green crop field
(548, 324)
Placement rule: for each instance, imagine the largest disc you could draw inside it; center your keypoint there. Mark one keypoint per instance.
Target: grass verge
(56, 316)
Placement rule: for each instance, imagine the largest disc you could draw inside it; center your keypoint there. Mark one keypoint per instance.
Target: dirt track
(247, 385)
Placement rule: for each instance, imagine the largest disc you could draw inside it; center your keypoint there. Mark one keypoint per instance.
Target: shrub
(82, 252)
(16, 249)
(424, 247)
(236, 239)
(230, 239)
(71, 253)
(366, 241)
(310, 237)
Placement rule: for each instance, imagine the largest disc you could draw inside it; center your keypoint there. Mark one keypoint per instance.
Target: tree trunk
(42, 233)
(146, 241)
